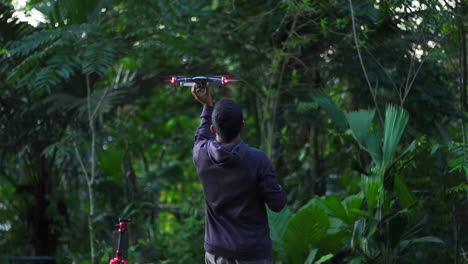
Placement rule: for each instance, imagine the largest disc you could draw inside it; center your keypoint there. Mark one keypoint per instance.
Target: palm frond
(58, 68)
(63, 102)
(101, 103)
(38, 40)
(73, 12)
(98, 57)
(372, 190)
(49, 57)
(396, 120)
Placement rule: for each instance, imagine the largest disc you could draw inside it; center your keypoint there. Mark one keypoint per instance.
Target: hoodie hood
(225, 155)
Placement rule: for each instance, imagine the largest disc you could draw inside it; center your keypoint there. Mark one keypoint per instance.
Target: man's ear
(213, 128)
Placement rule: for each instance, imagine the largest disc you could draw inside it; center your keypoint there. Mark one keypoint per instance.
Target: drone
(202, 81)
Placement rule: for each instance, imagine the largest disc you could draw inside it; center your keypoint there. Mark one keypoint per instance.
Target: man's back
(237, 182)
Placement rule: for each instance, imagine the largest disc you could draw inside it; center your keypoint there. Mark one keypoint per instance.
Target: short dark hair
(227, 119)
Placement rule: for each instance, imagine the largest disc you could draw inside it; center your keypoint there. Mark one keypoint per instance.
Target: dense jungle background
(360, 104)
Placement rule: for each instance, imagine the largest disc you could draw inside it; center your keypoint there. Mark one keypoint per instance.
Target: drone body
(202, 81)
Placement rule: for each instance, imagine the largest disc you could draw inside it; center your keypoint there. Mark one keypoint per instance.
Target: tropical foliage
(360, 104)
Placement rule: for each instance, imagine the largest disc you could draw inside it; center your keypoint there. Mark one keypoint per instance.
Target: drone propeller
(176, 79)
(223, 79)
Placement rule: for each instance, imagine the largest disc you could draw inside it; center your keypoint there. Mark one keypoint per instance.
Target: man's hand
(202, 98)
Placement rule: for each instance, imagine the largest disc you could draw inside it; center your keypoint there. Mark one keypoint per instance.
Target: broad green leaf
(356, 260)
(360, 123)
(336, 209)
(332, 243)
(336, 224)
(324, 259)
(405, 195)
(311, 257)
(353, 204)
(427, 239)
(214, 4)
(371, 228)
(434, 148)
(359, 212)
(278, 223)
(304, 231)
(330, 107)
(373, 146)
(395, 124)
(353, 201)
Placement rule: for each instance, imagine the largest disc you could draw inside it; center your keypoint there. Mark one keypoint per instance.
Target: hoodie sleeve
(203, 133)
(273, 193)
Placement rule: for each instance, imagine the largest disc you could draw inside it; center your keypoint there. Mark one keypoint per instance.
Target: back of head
(227, 119)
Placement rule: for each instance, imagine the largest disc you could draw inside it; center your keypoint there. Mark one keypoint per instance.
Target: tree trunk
(463, 71)
(130, 176)
(132, 191)
(317, 179)
(43, 234)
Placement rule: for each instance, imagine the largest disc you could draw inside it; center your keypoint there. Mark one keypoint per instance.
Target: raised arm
(203, 133)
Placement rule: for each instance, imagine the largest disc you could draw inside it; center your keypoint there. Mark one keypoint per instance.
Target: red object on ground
(118, 254)
(118, 260)
(122, 227)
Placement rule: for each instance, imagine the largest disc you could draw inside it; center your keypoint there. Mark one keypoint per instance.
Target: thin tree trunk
(455, 235)
(317, 181)
(144, 159)
(93, 172)
(90, 183)
(90, 222)
(267, 105)
(132, 191)
(130, 176)
(356, 42)
(463, 60)
(463, 72)
(90, 177)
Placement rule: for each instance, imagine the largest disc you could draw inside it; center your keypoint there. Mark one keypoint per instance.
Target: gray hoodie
(237, 182)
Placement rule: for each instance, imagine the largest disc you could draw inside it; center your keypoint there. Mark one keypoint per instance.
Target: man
(237, 182)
